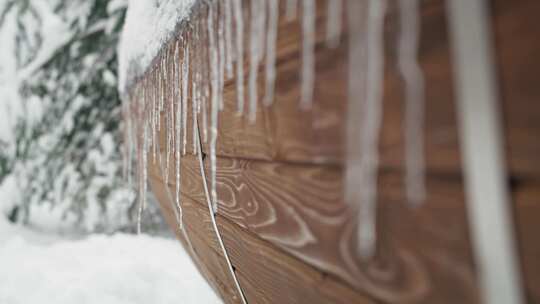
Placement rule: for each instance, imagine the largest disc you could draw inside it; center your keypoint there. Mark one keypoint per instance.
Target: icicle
(197, 65)
(153, 94)
(158, 92)
(228, 39)
(291, 9)
(185, 83)
(172, 86)
(193, 102)
(239, 23)
(258, 15)
(221, 61)
(414, 107)
(177, 96)
(177, 133)
(195, 89)
(214, 105)
(143, 175)
(206, 78)
(159, 71)
(128, 140)
(333, 25)
(168, 122)
(308, 53)
(364, 166)
(170, 112)
(273, 18)
(194, 113)
(153, 115)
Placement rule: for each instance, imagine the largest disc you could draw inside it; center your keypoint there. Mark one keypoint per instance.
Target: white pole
(481, 136)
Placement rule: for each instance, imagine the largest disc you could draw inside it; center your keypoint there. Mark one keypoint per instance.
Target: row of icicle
(210, 50)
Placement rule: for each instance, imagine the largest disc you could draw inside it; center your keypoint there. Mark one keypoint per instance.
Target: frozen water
(239, 39)
(273, 18)
(308, 53)
(414, 100)
(333, 24)
(256, 41)
(291, 9)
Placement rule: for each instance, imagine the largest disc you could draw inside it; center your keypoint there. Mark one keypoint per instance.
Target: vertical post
(481, 140)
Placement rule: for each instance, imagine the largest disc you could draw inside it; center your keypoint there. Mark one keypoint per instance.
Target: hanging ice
(222, 59)
(256, 39)
(291, 9)
(308, 53)
(333, 23)
(143, 173)
(414, 101)
(177, 133)
(366, 53)
(185, 84)
(228, 39)
(168, 124)
(371, 125)
(273, 18)
(239, 26)
(213, 52)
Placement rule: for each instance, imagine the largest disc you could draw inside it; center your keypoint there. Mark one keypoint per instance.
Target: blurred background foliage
(64, 152)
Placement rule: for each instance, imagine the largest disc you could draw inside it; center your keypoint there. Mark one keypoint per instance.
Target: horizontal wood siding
(280, 180)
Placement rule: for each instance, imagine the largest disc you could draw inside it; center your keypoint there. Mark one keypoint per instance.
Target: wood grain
(283, 132)
(289, 233)
(267, 274)
(424, 254)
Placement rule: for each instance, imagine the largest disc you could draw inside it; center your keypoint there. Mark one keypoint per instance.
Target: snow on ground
(37, 267)
(148, 26)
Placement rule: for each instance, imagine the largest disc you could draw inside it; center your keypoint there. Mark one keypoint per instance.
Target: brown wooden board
(424, 254)
(266, 273)
(280, 180)
(286, 133)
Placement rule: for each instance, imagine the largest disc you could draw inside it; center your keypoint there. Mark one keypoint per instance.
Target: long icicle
(308, 53)
(222, 57)
(195, 106)
(239, 39)
(256, 40)
(143, 177)
(168, 147)
(228, 39)
(177, 133)
(414, 101)
(371, 125)
(185, 84)
(333, 23)
(291, 9)
(214, 105)
(205, 81)
(273, 18)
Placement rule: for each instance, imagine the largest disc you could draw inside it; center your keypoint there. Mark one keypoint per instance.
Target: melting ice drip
(207, 52)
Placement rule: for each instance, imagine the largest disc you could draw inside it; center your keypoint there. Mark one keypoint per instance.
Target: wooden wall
(285, 225)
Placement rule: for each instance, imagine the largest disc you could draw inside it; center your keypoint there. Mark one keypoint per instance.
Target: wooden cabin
(282, 215)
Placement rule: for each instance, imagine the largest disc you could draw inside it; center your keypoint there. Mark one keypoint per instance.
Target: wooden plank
(272, 185)
(424, 254)
(270, 276)
(283, 132)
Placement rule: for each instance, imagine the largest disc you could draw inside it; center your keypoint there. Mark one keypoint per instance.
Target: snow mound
(148, 26)
(100, 269)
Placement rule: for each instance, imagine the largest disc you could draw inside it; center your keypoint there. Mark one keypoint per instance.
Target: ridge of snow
(148, 26)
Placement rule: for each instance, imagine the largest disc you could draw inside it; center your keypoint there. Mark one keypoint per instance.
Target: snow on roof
(148, 26)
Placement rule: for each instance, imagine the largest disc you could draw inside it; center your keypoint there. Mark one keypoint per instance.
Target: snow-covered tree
(66, 148)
